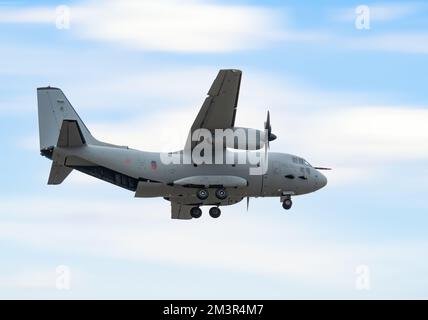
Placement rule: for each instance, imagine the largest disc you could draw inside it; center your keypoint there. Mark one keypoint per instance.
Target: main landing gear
(221, 194)
(196, 212)
(202, 194)
(215, 212)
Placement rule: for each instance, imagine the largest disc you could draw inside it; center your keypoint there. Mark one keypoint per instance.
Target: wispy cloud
(165, 25)
(27, 15)
(170, 25)
(410, 41)
(123, 231)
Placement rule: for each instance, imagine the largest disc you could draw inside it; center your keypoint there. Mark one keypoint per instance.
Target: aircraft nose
(322, 180)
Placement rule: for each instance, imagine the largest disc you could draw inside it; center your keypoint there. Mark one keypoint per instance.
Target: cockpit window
(301, 161)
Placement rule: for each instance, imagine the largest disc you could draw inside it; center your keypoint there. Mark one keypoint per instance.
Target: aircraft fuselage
(285, 174)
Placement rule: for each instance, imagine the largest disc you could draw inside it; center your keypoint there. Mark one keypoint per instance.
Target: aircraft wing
(219, 108)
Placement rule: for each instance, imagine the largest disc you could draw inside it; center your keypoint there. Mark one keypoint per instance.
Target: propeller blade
(322, 168)
(268, 122)
(248, 202)
(268, 127)
(270, 136)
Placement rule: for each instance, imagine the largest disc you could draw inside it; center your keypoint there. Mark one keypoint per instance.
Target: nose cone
(322, 180)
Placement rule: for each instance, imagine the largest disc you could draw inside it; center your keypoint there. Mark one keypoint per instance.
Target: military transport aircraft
(190, 178)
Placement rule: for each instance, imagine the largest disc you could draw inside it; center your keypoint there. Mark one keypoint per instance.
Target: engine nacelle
(240, 138)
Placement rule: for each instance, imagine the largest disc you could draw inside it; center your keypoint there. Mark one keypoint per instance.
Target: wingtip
(232, 70)
(48, 88)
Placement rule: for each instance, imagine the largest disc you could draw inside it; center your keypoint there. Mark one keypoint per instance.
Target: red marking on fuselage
(153, 165)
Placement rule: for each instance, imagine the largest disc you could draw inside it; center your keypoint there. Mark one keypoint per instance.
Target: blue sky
(137, 73)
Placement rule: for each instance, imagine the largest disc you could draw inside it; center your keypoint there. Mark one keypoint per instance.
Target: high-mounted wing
(219, 108)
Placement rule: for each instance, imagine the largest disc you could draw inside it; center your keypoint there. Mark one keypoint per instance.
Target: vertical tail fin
(54, 108)
(59, 126)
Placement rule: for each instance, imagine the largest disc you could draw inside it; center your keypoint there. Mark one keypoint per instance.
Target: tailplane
(59, 127)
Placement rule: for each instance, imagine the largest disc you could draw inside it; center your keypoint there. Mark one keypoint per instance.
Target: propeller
(322, 168)
(248, 202)
(270, 135)
(268, 127)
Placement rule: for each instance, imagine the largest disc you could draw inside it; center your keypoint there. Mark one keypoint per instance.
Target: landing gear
(196, 212)
(221, 194)
(202, 194)
(215, 212)
(287, 204)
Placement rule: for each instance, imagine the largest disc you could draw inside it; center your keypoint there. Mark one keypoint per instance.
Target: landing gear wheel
(196, 212)
(215, 212)
(221, 194)
(202, 194)
(287, 204)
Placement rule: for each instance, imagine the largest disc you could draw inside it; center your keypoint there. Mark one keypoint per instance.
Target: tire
(287, 204)
(202, 194)
(215, 212)
(196, 212)
(221, 194)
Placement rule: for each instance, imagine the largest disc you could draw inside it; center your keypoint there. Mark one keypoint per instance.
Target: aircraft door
(270, 178)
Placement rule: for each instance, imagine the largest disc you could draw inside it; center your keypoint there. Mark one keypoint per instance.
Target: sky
(343, 92)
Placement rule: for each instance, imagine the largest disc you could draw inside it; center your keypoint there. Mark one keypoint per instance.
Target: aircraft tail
(59, 126)
(54, 108)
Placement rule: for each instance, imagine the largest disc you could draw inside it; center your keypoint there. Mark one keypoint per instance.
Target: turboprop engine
(244, 138)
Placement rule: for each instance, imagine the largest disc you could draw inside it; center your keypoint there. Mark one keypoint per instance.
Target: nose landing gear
(287, 204)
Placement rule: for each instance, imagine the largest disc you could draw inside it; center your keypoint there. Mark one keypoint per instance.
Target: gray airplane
(186, 182)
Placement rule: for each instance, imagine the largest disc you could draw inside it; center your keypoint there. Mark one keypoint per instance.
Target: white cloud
(369, 133)
(415, 42)
(27, 15)
(165, 25)
(129, 231)
(193, 26)
(170, 25)
(38, 278)
(29, 279)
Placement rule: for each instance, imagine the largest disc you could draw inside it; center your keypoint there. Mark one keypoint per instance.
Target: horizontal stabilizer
(58, 173)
